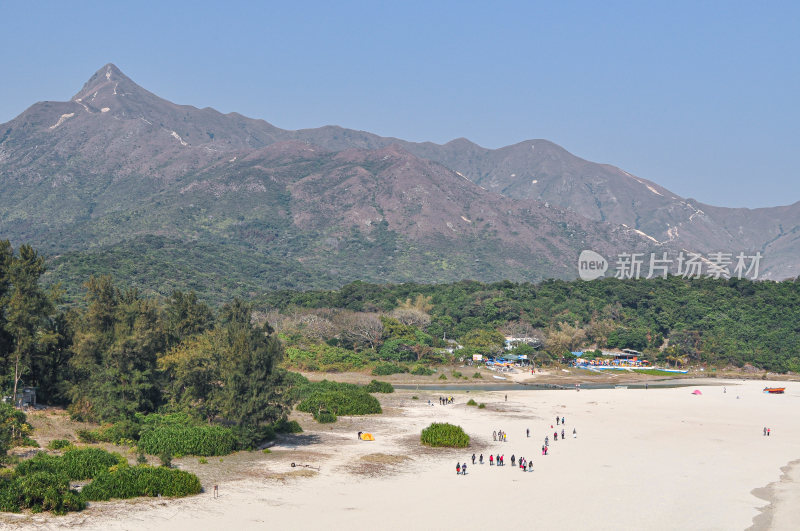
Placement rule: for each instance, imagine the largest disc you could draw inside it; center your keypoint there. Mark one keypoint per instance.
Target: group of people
(767, 431)
(443, 400)
(524, 464)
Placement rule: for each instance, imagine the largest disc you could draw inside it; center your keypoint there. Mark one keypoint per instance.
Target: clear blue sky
(701, 97)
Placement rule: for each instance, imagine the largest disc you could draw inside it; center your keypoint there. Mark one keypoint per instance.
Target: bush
(59, 444)
(341, 402)
(187, 440)
(45, 491)
(477, 375)
(249, 437)
(471, 402)
(122, 431)
(481, 406)
(444, 435)
(379, 387)
(415, 397)
(323, 357)
(421, 370)
(386, 369)
(287, 426)
(325, 417)
(132, 481)
(442, 377)
(457, 375)
(76, 464)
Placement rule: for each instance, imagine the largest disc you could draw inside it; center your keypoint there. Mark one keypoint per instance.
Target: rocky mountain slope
(119, 180)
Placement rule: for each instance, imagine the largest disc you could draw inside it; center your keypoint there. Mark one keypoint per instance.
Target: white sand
(643, 459)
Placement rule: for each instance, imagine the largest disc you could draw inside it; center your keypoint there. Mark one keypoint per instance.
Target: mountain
(169, 196)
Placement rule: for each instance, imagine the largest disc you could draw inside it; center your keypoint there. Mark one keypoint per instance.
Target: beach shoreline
(660, 458)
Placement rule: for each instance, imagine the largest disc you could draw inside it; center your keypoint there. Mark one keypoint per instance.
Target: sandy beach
(660, 458)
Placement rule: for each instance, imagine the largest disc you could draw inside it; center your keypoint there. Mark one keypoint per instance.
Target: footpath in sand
(643, 459)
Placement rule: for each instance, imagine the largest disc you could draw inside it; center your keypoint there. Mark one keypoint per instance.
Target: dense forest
(672, 320)
(119, 353)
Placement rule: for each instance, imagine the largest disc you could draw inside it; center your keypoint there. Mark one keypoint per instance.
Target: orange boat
(774, 390)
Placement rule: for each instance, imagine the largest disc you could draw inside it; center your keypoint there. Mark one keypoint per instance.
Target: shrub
(457, 375)
(249, 437)
(481, 406)
(325, 417)
(287, 426)
(471, 402)
(421, 370)
(166, 459)
(442, 377)
(444, 435)
(379, 387)
(477, 375)
(415, 397)
(323, 357)
(143, 480)
(386, 369)
(116, 433)
(59, 444)
(179, 439)
(76, 463)
(342, 402)
(46, 491)
(203, 461)
(10, 495)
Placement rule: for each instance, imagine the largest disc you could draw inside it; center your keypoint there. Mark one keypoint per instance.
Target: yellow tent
(367, 437)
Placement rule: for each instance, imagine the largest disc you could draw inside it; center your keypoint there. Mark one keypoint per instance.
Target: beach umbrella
(697, 392)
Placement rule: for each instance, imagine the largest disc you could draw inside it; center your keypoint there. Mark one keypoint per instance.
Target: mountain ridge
(117, 163)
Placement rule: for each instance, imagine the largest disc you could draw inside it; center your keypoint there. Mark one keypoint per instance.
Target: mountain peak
(107, 76)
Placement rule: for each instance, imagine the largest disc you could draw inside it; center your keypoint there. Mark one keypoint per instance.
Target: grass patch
(471, 402)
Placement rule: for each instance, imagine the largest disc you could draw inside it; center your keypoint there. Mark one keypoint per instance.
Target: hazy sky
(701, 97)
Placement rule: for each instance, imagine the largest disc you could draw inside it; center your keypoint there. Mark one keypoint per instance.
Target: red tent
(696, 392)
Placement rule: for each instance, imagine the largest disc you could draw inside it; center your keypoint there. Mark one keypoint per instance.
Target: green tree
(28, 308)
(254, 393)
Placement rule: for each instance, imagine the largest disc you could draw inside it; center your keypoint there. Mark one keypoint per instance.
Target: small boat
(774, 390)
(498, 377)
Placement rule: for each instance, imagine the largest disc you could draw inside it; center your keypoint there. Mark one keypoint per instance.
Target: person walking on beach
(557, 420)
(506, 398)
(481, 459)
(765, 431)
(473, 459)
(574, 433)
(542, 449)
(562, 434)
(528, 432)
(491, 459)
(768, 431)
(555, 435)
(512, 459)
(547, 441)
(494, 435)
(562, 420)
(505, 437)
(464, 469)
(458, 468)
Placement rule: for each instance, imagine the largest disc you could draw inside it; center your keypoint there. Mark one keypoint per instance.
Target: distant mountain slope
(118, 169)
